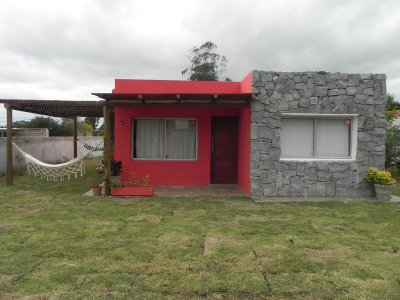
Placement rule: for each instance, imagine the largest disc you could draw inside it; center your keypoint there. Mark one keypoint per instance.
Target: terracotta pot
(132, 191)
(383, 192)
(97, 190)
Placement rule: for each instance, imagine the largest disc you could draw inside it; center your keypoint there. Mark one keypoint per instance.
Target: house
(31, 132)
(273, 133)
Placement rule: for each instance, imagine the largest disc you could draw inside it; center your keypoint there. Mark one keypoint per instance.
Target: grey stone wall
(317, 93)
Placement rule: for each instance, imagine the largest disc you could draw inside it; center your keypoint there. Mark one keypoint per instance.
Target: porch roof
(176, 98)
(179, 92)
(57, 108)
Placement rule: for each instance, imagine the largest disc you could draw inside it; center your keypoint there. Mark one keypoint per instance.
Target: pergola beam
(10, 172)
(178, 103)
(107, 148)
(75, 136)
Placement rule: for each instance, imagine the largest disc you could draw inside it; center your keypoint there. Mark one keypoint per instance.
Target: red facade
(182, 172)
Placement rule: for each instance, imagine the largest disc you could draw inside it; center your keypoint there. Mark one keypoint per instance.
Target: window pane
(181, 139)
(150, 139)
(297, 138)
(332, 138)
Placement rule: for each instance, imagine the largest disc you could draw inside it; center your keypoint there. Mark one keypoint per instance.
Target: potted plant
(136, 185)
(97, 186)
(382, 181)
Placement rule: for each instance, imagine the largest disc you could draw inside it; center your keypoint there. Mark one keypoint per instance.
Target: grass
(56, 243)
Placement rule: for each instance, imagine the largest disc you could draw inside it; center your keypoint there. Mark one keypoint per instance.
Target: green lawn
(56, 243)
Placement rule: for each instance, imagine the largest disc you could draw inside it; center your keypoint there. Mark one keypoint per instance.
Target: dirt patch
(175, 240)
(324, 255)
(242, 205)
(145, 218)
(213, 243)
(28, 209)
(256, 218)
(183, 213)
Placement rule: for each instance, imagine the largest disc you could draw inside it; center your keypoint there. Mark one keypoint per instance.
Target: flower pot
(96, 190)
(132, 191)
(383, 192)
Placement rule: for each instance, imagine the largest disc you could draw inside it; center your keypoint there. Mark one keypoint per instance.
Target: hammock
(54, 172)
(90, 147)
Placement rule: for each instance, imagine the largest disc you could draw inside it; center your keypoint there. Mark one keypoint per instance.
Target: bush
(379, 177)
(395, 171)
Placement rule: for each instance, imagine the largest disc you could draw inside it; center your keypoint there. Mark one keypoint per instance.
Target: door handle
(212, 144)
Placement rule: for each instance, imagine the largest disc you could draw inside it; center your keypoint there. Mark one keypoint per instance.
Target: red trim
(132, 191)
(142, 86)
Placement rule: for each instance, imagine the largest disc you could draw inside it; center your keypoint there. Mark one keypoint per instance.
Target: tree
(392, 135)
(391, 103)
(55, 127)
(205, 64)
(93, 121)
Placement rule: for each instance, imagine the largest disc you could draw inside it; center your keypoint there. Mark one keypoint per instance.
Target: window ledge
(318, 159)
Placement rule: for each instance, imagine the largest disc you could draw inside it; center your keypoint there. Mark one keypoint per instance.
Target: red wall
(164, 172)
(244, 150)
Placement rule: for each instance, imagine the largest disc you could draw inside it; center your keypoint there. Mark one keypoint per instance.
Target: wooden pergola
(62, 109)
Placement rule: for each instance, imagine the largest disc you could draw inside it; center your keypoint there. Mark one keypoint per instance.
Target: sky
(53, 49)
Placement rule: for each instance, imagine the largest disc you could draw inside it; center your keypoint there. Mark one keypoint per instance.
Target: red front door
(224, 149)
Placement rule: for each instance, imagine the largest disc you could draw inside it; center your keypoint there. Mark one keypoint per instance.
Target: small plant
(134, 180)
(376, 176)
(100, 175)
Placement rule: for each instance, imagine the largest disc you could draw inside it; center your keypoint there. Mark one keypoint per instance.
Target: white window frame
(165, 134)
(353, 133)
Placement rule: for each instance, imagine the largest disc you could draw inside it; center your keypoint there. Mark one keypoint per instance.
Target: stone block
(256, 189)
(254, 131)
(284, 191)
(264, 99)
(335, 92)
(368, 91)
(269, 190)
(310, 174)
(265, 132)
(257, 106)
(330, 189)
(301, 86)
(351, 90)
(316, 190)
(335, 167)
(296, 187)
(324, 175)
(279, 180)
(321, 91)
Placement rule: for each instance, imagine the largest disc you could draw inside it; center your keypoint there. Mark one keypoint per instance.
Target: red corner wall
(167, 172)
(182, 173)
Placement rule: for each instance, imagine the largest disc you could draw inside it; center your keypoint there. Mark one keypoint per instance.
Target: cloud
(69, 49)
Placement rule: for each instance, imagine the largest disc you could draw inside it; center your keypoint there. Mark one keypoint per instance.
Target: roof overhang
(57, 108)
(199, 99)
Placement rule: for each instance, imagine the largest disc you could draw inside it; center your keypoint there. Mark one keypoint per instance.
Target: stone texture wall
(316, 93)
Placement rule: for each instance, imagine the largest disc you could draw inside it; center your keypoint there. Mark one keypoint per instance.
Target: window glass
(297, 138)
(316, 137)
(181, 139)
(164, 139)
(150, 139)
(332, 138)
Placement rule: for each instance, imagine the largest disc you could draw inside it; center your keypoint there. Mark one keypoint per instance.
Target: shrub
(379, 177)
(395, 171)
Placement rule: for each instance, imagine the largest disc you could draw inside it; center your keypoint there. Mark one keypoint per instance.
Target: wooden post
(75, 136)
(10, 171)
(107, 149)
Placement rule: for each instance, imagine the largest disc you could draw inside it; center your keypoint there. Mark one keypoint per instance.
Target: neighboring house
(30, 132)
(274, 133)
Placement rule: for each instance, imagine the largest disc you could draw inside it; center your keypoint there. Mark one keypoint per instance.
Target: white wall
(47, 149)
